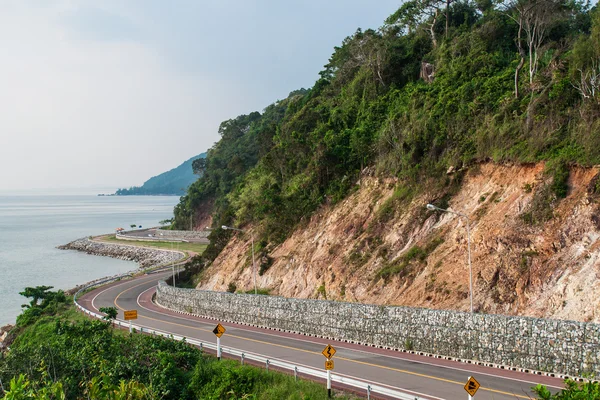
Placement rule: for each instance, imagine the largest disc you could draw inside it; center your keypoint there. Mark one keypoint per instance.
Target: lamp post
(252, 239)
(173, 266)
(431, 207)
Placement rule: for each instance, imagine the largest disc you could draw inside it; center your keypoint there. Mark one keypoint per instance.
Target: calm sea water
(32, 226)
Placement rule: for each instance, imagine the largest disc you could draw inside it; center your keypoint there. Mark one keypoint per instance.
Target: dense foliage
(572, 391)
(172, 182)
(55, 357)
(440, 84)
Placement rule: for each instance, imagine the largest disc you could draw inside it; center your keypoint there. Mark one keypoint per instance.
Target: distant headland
(171, 183)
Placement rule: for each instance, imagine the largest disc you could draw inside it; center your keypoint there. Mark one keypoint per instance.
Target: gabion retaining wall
(566, 347)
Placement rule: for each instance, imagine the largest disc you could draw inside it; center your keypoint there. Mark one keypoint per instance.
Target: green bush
(572, 391)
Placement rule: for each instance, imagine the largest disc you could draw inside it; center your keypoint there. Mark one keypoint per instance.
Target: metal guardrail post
(242, 358)
(267, 365)
(296, 373)
(368, 392)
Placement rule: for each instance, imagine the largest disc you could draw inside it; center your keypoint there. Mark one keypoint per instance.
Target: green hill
(440, 86)
(172, 182)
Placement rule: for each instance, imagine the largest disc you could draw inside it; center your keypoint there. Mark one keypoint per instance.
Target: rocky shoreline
(144, 256)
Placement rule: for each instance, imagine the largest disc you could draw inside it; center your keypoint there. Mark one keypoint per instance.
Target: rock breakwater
(144, 256)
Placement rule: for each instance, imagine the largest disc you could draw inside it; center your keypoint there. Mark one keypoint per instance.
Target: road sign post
(328, 352)
(472, 386)
(328, 383)
(129, 316)
(329, 368)
(219, 348)
(219, 331)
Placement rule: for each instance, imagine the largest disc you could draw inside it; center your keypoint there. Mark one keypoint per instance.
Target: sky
(106, 94)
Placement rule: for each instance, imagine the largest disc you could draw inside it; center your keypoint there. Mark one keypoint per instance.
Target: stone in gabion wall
(567, 347)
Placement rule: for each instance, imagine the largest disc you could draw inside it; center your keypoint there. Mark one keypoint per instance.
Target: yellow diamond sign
(471, 386)
(328, 352)
(219, 330)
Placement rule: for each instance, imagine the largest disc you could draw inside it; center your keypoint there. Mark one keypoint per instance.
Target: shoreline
(146, 257)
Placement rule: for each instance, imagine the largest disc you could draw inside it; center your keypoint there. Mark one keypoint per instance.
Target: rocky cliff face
(530, 256)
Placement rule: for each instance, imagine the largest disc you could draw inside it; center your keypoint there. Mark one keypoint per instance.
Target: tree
(199, 165)
(448, 2)
(111, 313)
(588, 84)
(133, 226)
(585, 62)
(534, 19)
(416, 12)
(37, 293)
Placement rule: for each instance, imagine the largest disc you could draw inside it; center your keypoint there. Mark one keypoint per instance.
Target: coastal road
(420, 375)
(157, 234)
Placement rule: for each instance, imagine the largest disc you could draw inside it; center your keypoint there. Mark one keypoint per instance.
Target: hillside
(172, 182)
(355, 251)
(489, 108)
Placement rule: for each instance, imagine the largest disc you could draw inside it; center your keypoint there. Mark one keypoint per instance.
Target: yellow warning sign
(219, 330)
(132, 314)
(471, 386)
(329, 364)
(329, 351)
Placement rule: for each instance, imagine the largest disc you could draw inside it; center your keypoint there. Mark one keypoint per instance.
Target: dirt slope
(356, 251)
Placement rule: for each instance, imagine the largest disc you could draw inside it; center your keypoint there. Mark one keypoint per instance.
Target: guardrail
(121, 236)
(367, 387)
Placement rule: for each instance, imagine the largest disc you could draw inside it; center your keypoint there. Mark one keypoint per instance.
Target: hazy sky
(109, 93)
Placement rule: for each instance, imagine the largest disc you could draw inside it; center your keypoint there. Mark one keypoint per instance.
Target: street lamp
(252, 239)
(431, 207)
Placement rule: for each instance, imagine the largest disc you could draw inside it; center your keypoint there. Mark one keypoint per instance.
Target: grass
(402, 266)
(181, 246)
(270, 385)
(263, 291)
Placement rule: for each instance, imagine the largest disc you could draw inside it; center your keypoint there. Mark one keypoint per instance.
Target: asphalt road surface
(156, 234)
(424, 376)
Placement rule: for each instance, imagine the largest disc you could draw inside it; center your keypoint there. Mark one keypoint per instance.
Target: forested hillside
(172, 182)
(441, 85)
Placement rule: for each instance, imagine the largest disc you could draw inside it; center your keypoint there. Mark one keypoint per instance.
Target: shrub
(231, 288)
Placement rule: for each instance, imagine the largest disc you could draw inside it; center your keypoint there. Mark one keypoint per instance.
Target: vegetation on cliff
(440, 85)
(172, 182)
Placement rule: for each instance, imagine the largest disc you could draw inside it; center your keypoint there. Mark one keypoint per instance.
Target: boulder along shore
(144, 256)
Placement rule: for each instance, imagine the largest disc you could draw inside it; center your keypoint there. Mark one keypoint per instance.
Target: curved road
(424, 376)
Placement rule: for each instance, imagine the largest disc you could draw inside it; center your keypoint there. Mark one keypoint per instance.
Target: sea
(31, 226)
